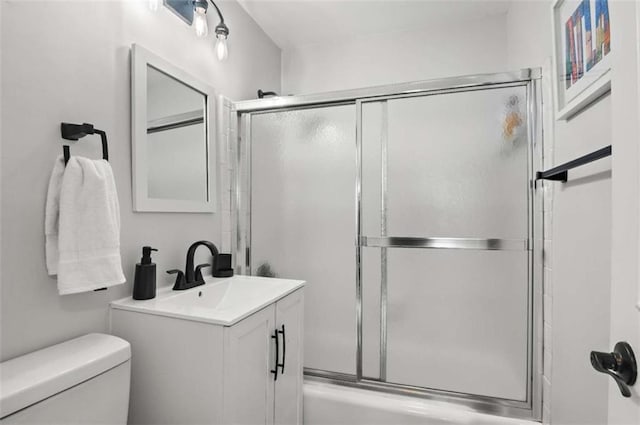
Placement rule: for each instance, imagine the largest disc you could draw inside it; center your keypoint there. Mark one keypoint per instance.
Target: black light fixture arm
(217, 10)
(221, 28)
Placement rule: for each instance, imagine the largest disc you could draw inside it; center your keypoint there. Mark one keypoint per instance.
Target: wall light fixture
(194, 13)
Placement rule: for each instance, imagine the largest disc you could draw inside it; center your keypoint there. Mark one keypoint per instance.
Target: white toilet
(81, 381)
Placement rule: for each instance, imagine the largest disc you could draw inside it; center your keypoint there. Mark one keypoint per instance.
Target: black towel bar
(560, 173)
(78, 131)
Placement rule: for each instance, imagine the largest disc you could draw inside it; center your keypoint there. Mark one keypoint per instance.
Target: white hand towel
(89, 229)
(51, 216)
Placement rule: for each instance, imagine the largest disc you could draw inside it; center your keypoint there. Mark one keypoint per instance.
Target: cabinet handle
(275, 371)
(284, 350)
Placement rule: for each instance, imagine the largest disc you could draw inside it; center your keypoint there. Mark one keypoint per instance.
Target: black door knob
(620, 365)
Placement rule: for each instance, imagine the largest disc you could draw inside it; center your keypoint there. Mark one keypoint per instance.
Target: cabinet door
(288, 394)
(249, 359)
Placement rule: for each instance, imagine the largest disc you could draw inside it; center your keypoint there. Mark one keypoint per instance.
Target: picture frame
(582, 55)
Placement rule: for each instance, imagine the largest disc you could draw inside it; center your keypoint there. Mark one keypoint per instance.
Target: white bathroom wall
(578, 237)
(461, 48)
(69, 61)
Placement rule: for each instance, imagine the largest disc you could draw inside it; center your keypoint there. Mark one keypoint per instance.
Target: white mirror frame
(140, 58)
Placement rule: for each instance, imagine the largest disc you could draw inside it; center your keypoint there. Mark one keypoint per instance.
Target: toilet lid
(28, 379)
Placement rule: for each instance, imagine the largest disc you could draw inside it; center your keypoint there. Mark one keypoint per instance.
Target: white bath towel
(51, 216)
(89, 228)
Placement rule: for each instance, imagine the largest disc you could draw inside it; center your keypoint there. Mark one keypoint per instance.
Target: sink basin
(222, 301)
(206, 296)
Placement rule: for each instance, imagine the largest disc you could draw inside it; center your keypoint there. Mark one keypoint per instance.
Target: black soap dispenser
(144, 283)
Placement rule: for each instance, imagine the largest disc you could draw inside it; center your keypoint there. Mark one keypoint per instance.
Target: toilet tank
(81, 381)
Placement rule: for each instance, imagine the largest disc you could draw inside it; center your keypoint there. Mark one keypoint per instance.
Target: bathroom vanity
(229, 351)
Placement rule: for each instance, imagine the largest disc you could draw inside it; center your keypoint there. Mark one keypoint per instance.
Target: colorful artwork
(583, 48)
(603, 30)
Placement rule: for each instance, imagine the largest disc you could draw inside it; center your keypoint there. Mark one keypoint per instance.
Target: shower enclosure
(411, 212)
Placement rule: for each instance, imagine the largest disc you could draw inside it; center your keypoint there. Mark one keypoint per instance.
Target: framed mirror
(173, 149)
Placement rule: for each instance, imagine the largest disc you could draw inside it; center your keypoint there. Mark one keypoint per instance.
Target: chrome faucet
(192, 278)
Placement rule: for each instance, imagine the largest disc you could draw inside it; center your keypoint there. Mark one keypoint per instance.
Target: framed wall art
(582, 54)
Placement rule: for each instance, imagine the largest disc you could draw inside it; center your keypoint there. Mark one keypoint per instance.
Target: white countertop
(221, 301)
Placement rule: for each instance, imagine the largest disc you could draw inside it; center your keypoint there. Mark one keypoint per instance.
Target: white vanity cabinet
(264, 385)
(189, 369)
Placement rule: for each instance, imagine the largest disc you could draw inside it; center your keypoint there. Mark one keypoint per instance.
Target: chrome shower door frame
(531, 408)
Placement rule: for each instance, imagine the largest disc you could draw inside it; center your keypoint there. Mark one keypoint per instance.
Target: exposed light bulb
(200, 22)
(221, 47)
(154, 5)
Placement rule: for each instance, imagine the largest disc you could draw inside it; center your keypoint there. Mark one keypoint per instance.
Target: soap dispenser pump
(144, 283)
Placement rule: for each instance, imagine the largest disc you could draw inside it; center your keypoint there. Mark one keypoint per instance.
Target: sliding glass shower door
(444, 242)
(413, 219)
(302, 213)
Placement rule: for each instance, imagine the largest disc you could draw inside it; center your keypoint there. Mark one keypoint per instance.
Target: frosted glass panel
(456, 164)
(370, 263)
(450, 165)
(303, 221)
(457, 321)
(374, 124)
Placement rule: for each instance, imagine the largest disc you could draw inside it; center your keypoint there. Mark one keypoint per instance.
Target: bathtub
(329, 404)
